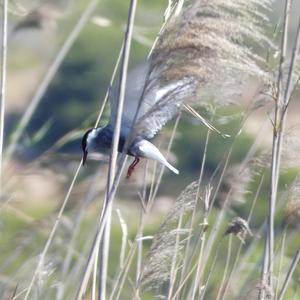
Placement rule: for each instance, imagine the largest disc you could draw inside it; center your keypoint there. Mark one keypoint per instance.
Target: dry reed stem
(187, 248)
(221, 287)
(114, 150)
(281, 256)
(202, 238)
(124, 229)
(114, 176)
(51, 236)
(289, 274)
(3, 84)
(151, 198)
(233, 269)
(176, 251)
(66, 199)
(221, 215)
(281, 105)
(203, 288)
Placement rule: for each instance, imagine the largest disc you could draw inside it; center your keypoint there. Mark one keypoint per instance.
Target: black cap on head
(84, 145)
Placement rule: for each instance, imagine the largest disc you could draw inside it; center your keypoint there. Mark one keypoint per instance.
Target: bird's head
(85, 144)
(96, 140)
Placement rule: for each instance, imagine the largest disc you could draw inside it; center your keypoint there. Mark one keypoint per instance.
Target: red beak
(84, 157)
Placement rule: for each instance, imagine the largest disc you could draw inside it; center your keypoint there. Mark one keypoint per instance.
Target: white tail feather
(170, 167)
(148, 150)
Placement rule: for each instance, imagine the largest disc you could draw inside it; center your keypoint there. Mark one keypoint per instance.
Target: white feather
(148, 150)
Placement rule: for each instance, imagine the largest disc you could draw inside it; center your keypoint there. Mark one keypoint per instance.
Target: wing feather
(156, 104)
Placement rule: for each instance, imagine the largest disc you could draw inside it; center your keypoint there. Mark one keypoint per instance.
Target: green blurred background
(37, 179)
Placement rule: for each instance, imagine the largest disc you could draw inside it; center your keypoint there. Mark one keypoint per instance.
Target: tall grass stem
(114, 149)
(3, 83)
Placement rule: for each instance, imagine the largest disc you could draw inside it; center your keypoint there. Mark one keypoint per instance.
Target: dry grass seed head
(292, 210)
(210, 43)
(156, 270)
(256, 289)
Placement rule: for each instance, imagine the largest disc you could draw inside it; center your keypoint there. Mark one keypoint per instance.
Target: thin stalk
(84, 19)
(215, 230)
(278, 133)
(76, 228)
(151, 198)
(96, 124)
(143, 210)
(268, 253)
(187, 258)
(203, 235)
(51, 236)
(3, 83)
(126, 270)
(124, 237)
(66, 199)
(114, 149)
(221, 288)
(212, 268)
(100, 229)
(174, 260)
(96, 241)
(202, 259)
(289, 274)
(221, 215)
(183, 282)
(68, 282)
(67, 260)
(280, 261)
(103, 254)
(94, 279)
(241, 243)
(251, 249)
(123, 272)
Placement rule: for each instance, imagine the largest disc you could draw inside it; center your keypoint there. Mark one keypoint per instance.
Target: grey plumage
(156, 105)
(138, 116)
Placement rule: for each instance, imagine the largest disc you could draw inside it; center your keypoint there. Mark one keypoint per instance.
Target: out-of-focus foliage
(34, 191)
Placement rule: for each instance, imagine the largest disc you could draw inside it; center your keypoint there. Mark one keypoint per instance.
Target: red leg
(132, 166)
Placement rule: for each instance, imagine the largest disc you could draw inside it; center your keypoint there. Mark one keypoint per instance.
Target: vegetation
(226, 227)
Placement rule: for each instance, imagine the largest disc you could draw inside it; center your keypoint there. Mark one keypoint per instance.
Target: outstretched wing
(167, 103)
(156, 104)
(135, 84)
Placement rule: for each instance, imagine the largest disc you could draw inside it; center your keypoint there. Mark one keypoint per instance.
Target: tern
(147, 108)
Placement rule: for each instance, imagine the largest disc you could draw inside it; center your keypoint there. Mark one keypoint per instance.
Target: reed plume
(204, 55)
(292, 210)
(211, 43)
(156, 270)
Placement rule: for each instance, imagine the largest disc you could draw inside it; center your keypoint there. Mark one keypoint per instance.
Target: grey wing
(167, 103)
(135, 85)
(156, 104)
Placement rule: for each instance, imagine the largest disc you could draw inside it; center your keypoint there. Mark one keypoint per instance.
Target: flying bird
(147, 107)
(206, 60)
